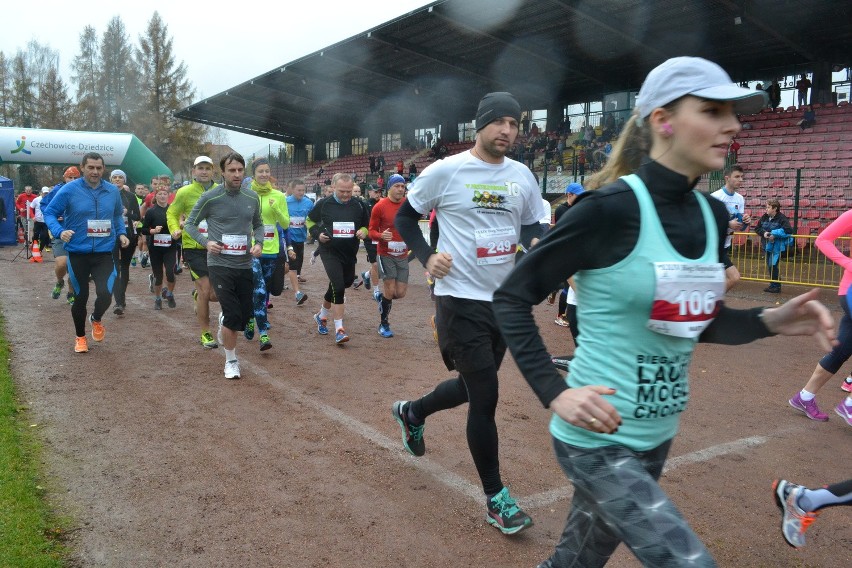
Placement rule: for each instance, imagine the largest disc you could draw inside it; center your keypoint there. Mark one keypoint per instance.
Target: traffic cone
(20, 234)
(36, 253)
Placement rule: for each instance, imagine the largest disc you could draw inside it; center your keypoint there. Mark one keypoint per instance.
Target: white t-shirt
(480, 208)
(547, 212)
(736, 207)
(35, 205)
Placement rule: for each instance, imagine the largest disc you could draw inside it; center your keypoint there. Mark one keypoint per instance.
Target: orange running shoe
(80, 345)
(98, 330)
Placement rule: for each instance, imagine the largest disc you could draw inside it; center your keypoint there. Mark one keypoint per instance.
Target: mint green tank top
(618, 350)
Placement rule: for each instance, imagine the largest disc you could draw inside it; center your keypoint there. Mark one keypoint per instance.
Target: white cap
(45, 189)
(680, 76)
(203, 160)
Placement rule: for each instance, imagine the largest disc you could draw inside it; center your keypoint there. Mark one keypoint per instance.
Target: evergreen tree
(117, 79)
(5, 91)
(23, 93)
(164, 89)
(87, 68)
(54, 104)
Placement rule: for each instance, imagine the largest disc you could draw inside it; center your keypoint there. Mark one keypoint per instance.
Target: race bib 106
(687, 297)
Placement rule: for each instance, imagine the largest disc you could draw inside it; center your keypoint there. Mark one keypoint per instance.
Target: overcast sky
(257, 38)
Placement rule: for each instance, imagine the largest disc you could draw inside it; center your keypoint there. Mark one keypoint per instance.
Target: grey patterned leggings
(617, 499)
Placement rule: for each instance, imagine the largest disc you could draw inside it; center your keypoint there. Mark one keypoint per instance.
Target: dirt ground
(163, 462)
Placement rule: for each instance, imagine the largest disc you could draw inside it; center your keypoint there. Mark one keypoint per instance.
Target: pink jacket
(840, 227)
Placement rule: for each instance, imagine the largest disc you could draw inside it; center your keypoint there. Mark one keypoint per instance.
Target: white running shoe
(232, 369)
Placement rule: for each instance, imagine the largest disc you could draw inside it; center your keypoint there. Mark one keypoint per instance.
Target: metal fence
(801, 264)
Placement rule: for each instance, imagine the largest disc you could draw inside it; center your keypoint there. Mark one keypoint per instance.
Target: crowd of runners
(242, 241)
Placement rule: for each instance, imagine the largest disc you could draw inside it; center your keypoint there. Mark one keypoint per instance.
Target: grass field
(29, 532)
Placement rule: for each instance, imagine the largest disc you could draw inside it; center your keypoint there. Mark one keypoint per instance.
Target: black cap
(496, 105)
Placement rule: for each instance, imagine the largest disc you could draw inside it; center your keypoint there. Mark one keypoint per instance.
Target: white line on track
(447, 477)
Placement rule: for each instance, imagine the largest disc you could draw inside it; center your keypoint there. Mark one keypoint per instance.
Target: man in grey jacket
(234, 235)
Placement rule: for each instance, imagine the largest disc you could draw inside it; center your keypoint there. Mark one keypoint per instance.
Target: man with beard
(233, 219)
(486, 205)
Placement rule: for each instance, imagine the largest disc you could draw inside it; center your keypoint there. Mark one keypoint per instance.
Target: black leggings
(471, 344)
(480, 388)
(163, 257)
(122, 257)
(101, 267)
(296, 263)
(41, 234)
(341, 275)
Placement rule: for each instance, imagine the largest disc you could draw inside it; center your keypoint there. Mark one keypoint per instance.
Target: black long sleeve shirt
(600, 230)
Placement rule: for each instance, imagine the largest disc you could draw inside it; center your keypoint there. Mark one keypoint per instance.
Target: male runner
(337, 222)
(194, 253)
(486, 204)
(299, 206)
(392, 251)
(92, 214)
(233, 219)
(57, 247)
(124, 256)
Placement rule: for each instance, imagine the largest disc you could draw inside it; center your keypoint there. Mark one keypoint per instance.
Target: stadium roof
(436, 62)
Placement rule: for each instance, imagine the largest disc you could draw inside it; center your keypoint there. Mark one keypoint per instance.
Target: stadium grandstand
(576, 67)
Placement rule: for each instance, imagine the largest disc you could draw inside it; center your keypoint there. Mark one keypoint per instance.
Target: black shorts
(234, 287)
(726, 260)
(196, 259)
(296, 263)
(371, 251)
(468, 336)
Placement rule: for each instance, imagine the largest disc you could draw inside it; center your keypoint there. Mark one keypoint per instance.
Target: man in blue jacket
(91, 212)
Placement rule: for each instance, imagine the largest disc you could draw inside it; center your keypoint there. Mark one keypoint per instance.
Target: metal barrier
(801, 264)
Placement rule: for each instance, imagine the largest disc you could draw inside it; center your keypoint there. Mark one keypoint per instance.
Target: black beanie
(495, 105)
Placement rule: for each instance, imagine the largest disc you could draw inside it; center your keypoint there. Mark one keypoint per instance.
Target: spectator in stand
(808, 118)
(802, 86)
(774, 230)
(412, 172)
(400, 166)
(773, 91)
(380, 165)
(372, 160)
(525, 124)
(380, 181)
(428, 138)
(734, 149)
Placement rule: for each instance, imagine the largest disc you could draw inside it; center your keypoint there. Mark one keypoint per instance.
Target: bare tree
(40, 59)
(86, 70)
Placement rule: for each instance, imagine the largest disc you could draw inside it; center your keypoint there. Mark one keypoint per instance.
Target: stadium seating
(780, 157)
